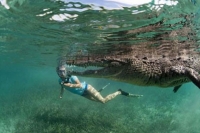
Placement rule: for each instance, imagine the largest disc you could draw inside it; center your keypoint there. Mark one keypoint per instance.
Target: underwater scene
(35, 34)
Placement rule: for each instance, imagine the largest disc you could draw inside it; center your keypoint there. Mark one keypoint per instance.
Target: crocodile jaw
(97, 72)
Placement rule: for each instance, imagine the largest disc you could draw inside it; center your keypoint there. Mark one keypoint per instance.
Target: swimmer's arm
(61, 92)
(76, 85)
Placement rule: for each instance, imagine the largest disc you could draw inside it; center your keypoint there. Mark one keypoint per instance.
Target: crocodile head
(99, 67)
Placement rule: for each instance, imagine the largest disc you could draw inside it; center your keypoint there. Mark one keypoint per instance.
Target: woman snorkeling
(72, 84)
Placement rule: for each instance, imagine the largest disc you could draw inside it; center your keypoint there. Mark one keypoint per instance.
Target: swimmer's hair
(60, 67)
(61, 61)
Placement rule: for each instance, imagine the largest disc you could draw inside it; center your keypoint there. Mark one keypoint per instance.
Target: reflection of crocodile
(168, 65)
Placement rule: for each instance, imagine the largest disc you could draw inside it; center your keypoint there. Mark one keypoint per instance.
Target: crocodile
(170, 64)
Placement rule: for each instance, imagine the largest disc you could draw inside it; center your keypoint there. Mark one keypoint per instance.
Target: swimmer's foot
(129, 94)
(123, 92)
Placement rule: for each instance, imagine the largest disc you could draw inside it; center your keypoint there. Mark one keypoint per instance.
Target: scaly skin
(170, 64)
(162, 72)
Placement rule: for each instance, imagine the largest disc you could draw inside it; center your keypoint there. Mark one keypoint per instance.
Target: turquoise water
(31, 40)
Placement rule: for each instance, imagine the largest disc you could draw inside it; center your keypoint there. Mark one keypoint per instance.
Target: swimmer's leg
(90, 98)
(97, 96)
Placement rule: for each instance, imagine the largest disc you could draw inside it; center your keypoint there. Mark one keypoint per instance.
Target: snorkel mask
(62, 72)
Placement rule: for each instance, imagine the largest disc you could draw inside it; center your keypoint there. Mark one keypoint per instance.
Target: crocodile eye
(115, 64)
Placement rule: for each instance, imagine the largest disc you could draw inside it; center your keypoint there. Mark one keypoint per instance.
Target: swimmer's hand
(66, 84)
(62, 82)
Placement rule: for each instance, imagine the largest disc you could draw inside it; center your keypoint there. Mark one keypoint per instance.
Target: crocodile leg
(176, 88)
(193, 75)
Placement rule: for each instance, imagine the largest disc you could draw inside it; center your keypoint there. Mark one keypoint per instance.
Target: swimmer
(72, 84)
